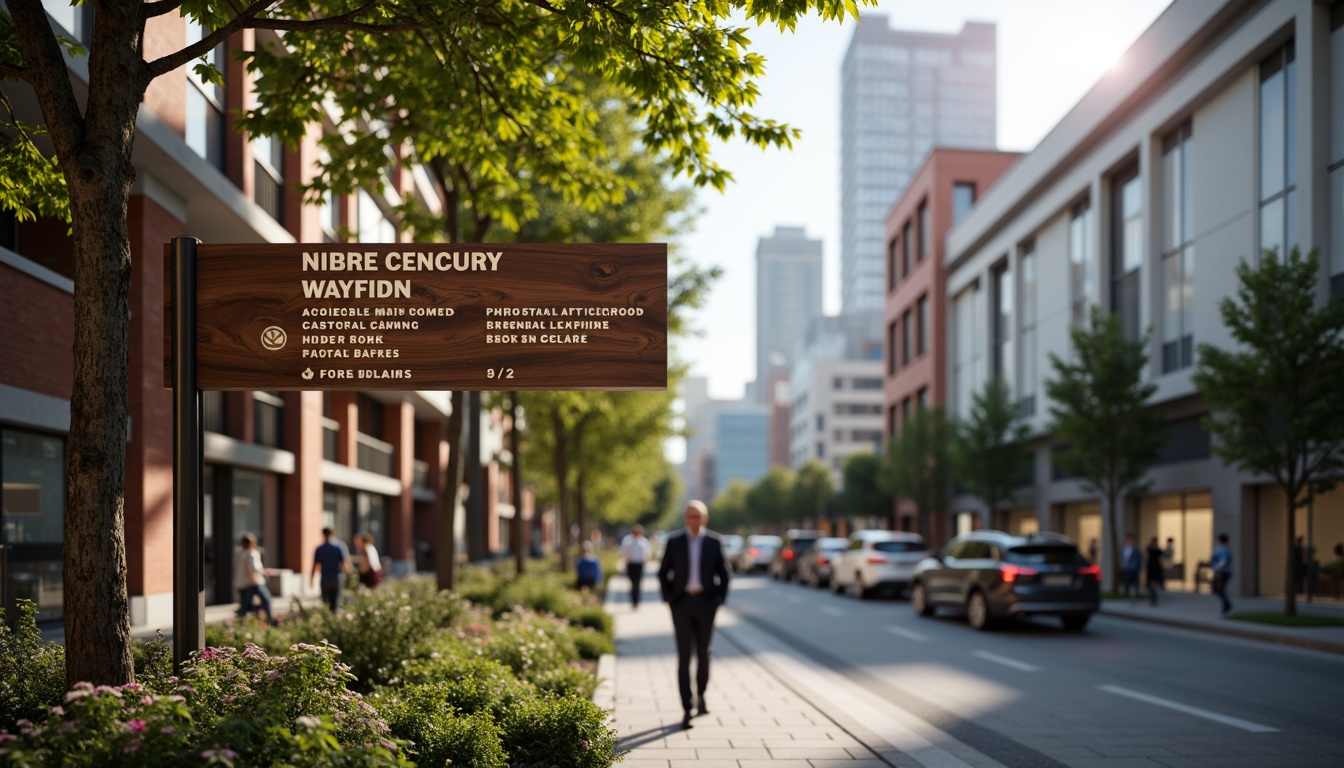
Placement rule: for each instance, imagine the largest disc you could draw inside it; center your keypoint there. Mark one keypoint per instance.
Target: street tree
(728, 510)
(1100, 418)
(989, 456)
(813, 489)
(863, 494)
(1274, 404)
(769, 500)
(918, 467)
(689, 76)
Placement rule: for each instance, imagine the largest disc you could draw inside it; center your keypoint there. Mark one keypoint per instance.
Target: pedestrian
(249, 578)
(1169, 560)
(1092, 550)
(332, 560)
(636, 550)
(1221, 565)
(1131, 562)
(1156, 574)
(693, 577)
(588, 568)
(370, 567)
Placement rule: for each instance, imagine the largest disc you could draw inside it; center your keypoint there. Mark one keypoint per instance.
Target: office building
(788, 296)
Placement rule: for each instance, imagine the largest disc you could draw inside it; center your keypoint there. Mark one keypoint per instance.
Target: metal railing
(420, 472)
(373, 455)
(268, 419)
(267, 191)
(331, 439)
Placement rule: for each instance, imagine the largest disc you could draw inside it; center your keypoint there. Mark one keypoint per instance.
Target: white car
(877, 561)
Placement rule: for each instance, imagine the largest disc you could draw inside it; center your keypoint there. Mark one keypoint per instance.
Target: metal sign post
(188, 581)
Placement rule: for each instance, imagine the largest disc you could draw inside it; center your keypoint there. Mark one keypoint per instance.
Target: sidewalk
(1201, 611)
(754, 719)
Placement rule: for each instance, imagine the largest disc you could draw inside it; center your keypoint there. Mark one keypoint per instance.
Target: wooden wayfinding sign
(431, 316)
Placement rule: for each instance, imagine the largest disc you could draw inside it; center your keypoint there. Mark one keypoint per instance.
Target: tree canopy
(1274, 404)
(989, 456)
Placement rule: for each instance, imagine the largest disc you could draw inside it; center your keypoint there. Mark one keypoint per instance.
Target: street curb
(605, 694)
(1228, 630)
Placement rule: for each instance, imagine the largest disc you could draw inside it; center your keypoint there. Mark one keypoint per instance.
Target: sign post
(188, 594)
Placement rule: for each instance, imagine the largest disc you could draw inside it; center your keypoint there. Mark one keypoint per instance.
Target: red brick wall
(37, 345)
(165, 97)
(149, 454)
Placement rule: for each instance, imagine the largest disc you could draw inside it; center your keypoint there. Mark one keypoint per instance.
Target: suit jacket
(674, 570)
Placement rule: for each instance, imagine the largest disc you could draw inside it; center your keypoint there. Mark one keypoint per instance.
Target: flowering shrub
(467, 680)
(32, 673)
(558, 730)
(438, 733)
(529, 643)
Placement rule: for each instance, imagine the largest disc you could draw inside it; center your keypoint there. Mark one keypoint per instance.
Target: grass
(1280, 620)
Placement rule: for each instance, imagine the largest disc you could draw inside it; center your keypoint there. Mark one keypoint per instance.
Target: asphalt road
(1120, 693)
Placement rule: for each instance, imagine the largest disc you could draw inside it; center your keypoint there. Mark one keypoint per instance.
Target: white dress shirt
(635, 550)
(693, 546)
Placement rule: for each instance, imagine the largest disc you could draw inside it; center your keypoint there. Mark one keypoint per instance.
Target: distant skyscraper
(902, 93)
(788, 296)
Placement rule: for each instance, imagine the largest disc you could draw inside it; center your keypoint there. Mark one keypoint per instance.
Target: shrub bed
(496, 675)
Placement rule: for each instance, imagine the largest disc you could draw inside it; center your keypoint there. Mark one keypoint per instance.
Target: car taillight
(876, 560)
(753, 552)
(1010, 572)
(1091, 570)
(788, 554)
(822, 560)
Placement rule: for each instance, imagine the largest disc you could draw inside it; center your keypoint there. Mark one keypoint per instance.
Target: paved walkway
(755, 718)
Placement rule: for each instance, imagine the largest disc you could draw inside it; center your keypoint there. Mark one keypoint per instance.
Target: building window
(1178, 252)
(1278, 151)
(205, 105)
(907, 234)
(923, 336)
(967, 348)
(893, 361)
(1026, 313)
(892, 264)
(1003, 323)
(76, 20)
(866, 382)
(1082, 260)
(32, 466)
(963, 198)
(922, 397)
(905, 337)
(924, 234)
(9, 231)
(821, 422)
(268, 178)
(1336, 202)
(373, 226)
(906, 407)
(1127, 248)
(891, 421)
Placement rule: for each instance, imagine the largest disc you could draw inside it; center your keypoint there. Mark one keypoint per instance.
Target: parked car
(877, 561)
(757, 553)
(732, 548)
(995, 575)
(784, 565)
(814, 564)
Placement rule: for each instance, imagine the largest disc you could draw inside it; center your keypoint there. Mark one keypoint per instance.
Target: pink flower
(135, 726)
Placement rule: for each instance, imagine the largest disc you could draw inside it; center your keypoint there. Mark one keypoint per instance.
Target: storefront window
(33, 468)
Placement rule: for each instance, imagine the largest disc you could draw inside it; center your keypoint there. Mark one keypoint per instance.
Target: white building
(1219, 133)
(836, 392)
(901, 93)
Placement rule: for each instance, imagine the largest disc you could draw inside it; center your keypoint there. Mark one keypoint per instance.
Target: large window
(893, 348)
(923, 309)
(373, 225)
(205, 105)
(963, 198)
(893, 264)
(906, 342)
(924, 235)
(1026, 314)
(1178, 251)
(33, 469)
(967, 348)
(906, 234)
(1126, 248)
(268, 158)
(1336, 210)
(1003, 323)
(1278, 151)
(1082, 261)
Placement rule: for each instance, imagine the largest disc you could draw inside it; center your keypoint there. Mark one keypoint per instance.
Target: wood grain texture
(244, 290)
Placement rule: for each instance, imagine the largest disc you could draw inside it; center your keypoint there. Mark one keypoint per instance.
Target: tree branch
(207, 43)
(161, 8)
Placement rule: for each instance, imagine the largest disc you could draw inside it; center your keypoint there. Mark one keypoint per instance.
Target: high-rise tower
(788, 296)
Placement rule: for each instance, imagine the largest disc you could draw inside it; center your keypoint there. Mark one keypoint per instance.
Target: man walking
(1221, 565)
(332, 559)
(636, 550)
(1131, 562)
(693, 577)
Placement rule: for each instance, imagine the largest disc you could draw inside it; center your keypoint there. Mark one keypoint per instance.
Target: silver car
(760, 549)
(878, 561)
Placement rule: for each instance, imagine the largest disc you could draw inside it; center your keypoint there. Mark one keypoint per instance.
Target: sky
(1050, 52)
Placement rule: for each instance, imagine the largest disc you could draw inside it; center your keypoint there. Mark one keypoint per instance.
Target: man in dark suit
(694, 580)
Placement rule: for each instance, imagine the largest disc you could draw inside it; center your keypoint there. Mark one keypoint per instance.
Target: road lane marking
(831, 610)
(1245, 725)
(1005, 661)
(908, 634)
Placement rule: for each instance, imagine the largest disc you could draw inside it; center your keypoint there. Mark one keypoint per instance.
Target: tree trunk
(561, 488)
(1113, 546)
(581, 509)
(445, 561)
(95, 154)
(517, 531)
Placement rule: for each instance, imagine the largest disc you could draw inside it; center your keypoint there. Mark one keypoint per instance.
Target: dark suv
(784, 565)
(996, 575)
